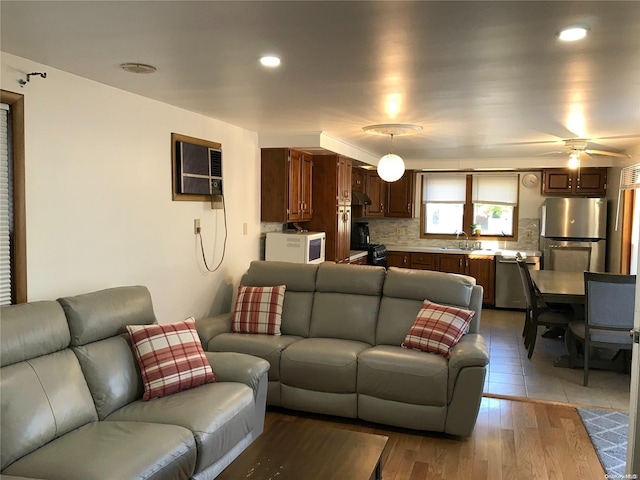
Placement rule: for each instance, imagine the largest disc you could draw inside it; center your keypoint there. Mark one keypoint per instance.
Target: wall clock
(530, 180)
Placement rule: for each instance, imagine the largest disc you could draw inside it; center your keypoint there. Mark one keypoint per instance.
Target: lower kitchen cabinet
(481, 267)
(398, 259)
(452, 263)
(424, 261)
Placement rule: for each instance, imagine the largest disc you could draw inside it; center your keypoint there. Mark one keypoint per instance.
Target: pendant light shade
(390, 167)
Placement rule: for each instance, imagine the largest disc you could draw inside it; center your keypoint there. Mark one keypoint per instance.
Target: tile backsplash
(406, 232)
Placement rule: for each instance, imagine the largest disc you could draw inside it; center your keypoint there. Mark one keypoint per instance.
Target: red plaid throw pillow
(258, 310)
(438, 328)
(171, 358)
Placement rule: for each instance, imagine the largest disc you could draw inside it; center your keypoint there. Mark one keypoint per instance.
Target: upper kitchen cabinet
(376, 189)
(357, 180)
(400, 196)
(393, 199)
(286, 185)
(332, 204)
(583, 181)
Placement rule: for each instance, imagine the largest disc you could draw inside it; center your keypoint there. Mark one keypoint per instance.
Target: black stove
(376, 252)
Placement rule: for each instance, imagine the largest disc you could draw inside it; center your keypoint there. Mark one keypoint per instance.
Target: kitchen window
(484, 203)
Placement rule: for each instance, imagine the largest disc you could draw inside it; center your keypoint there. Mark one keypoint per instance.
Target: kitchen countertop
(356, 254)
(410, 248)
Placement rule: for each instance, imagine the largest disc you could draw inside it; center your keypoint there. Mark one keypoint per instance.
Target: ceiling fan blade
(609, 154)
(553, 153)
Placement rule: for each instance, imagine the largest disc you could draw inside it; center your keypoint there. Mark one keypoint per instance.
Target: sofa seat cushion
(403, 375)
(269, 347)
(113, 451)
(219, 415)
(322, 364)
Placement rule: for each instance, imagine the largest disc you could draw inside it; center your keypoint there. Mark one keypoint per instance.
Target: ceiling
(483, 79)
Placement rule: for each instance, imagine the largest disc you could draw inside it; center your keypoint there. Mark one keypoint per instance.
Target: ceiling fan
(577, 150)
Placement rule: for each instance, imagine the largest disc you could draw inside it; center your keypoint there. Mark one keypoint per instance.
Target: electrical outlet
(196, 226)
(245, 228)
(401, 231)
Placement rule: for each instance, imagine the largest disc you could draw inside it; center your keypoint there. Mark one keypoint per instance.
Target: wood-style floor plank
(512, 439)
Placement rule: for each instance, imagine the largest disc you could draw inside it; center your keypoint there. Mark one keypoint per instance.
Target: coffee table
(293, 451)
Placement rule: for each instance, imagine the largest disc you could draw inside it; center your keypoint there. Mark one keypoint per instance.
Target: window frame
(467, 217)
(19, 237)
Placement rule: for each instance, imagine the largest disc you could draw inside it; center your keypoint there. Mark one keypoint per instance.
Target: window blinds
(5, 209)
(495, 189)
(444, 188)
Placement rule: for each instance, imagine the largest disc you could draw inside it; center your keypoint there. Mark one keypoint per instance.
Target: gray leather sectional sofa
(70, 391)
(340, 354)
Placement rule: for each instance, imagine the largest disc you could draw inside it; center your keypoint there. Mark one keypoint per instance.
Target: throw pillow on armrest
(258, 310)
(438, 328)
(171, 358)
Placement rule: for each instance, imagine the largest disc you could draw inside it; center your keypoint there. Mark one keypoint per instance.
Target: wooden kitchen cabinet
(393, 199)
(286, 180)
(400, 196)
(424, 261)
(357, 179)
(332, 204)
(399, 259)
(483, 269)
(376, 189)
(583, 181)
(452, 262)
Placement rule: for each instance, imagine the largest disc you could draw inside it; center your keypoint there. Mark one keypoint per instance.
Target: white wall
(98, 195)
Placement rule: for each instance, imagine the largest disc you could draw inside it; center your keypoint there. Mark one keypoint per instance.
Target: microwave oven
(296, 247)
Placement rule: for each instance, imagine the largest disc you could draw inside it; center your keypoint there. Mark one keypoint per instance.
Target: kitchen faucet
(466, 238)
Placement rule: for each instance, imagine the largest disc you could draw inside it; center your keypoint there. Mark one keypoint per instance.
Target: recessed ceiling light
(137, 68)
(270, 61)
(572, 34)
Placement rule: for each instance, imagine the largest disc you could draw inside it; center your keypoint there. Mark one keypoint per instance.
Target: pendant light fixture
(391, 166)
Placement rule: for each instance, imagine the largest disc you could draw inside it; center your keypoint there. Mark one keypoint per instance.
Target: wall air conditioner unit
(200, 169)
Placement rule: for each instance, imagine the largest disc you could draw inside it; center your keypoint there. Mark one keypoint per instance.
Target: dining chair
(537, 312)
(609, 310)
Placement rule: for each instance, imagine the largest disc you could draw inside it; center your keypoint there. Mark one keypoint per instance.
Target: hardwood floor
(512, 440)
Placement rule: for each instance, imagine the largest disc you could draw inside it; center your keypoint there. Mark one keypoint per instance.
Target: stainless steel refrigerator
(573, 234)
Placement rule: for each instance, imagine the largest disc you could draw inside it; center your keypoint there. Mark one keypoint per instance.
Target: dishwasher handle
(513, 262)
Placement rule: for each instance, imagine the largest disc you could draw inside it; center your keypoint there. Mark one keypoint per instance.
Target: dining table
(559, 287)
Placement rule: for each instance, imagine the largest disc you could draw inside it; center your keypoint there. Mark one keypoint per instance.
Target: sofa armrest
(471, 351)
(238, 367)
(209, 327)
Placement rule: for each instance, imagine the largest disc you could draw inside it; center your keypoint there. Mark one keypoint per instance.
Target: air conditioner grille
(630, 177)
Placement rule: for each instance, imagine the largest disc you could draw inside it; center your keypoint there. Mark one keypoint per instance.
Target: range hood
(359, 198)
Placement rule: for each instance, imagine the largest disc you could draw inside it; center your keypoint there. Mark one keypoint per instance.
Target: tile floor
(512, 373)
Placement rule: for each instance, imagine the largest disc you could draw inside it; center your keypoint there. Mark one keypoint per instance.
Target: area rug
(608, 432)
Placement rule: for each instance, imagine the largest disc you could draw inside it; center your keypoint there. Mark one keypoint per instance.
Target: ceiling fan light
(574, 160)
(390, 167)
(572, 34)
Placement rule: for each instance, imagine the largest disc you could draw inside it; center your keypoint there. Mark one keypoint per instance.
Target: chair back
(609, 306)
(527, 284)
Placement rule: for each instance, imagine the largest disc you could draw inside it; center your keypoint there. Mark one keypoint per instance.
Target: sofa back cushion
(105, 313)
(300, 282)
(98, 323)
(43, 393)
(30, 330)
(403, 294)
(347, 301)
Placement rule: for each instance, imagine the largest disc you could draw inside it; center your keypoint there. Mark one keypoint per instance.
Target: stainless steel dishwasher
(509, 291)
